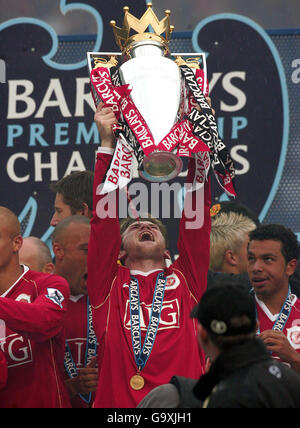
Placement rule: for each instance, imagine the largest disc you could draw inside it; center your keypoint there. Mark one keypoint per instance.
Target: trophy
(159, 101)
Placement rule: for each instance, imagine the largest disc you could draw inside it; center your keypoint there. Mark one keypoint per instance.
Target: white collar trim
(265, 309)
(76, 299)
(138, 272)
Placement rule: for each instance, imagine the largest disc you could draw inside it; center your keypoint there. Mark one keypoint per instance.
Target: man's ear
(58, 250)
(122, 256)
(48, 268)
(230, 258)
(17, 243)
(167, 255)
(202, 333)
(291, 267)
(86, 211)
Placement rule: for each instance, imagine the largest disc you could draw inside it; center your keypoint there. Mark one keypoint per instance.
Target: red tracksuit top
(176, 350)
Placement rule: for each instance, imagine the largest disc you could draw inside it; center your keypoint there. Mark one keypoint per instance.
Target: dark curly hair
(277, 232)
(76, 189)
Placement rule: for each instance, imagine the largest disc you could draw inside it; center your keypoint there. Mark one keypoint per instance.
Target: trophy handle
(193, 60)
(102, 59)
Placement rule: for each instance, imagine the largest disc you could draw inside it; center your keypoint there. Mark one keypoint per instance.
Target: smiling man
(272, 258)
(141, 309)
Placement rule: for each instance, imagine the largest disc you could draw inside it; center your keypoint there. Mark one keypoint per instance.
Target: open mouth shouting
(146, 236)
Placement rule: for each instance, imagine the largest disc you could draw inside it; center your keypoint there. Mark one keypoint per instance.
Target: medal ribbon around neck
(91, 350)
(142, 354)
(284, 314)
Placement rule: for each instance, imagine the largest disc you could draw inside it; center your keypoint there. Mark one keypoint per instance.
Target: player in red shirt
(70, 246)
(139, 349)
(273, 254)
(32, 308)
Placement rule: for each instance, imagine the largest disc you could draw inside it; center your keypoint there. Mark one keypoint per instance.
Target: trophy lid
(140, 26)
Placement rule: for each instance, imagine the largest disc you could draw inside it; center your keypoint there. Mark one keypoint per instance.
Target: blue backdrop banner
(46, 111)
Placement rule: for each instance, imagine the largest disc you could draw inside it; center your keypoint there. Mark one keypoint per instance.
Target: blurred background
(270, 14)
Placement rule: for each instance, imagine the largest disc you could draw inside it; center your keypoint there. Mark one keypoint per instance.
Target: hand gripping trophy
(160, 105)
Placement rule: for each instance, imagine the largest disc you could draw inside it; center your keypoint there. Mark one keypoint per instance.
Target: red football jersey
(76, 337)
(3, 370)
(292, 327)
(33, 341)
(176, 350)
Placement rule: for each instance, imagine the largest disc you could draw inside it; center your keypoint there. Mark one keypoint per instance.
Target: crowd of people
(108, 323)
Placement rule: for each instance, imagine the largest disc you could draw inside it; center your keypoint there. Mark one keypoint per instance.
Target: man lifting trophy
(160, 104)
(141, 306)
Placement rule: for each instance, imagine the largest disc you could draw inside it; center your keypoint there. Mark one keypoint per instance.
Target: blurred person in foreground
(243, 373)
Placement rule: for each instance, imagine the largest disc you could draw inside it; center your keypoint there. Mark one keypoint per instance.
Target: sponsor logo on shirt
(78, 349)
(17, 350)
(170, 315)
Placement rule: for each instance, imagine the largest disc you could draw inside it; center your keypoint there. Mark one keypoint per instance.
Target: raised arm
(43, 318)
(105, 240)
(194, 236)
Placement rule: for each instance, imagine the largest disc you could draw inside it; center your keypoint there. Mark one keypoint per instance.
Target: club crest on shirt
(172, 282)
(293, 335)
(56, 296)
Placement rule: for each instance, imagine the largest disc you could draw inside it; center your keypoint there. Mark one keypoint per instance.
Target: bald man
(70, 246)
(35, 254)
(32, 308)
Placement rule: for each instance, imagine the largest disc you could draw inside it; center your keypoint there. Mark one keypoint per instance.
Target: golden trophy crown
(139, 26)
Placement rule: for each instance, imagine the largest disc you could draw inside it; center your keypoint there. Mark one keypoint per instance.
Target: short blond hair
(227, 233)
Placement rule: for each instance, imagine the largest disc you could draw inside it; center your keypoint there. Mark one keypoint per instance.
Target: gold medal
(137, 382)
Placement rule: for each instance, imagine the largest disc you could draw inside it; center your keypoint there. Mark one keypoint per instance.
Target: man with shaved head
(32, 309)
(35, 254)
(70, 246)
